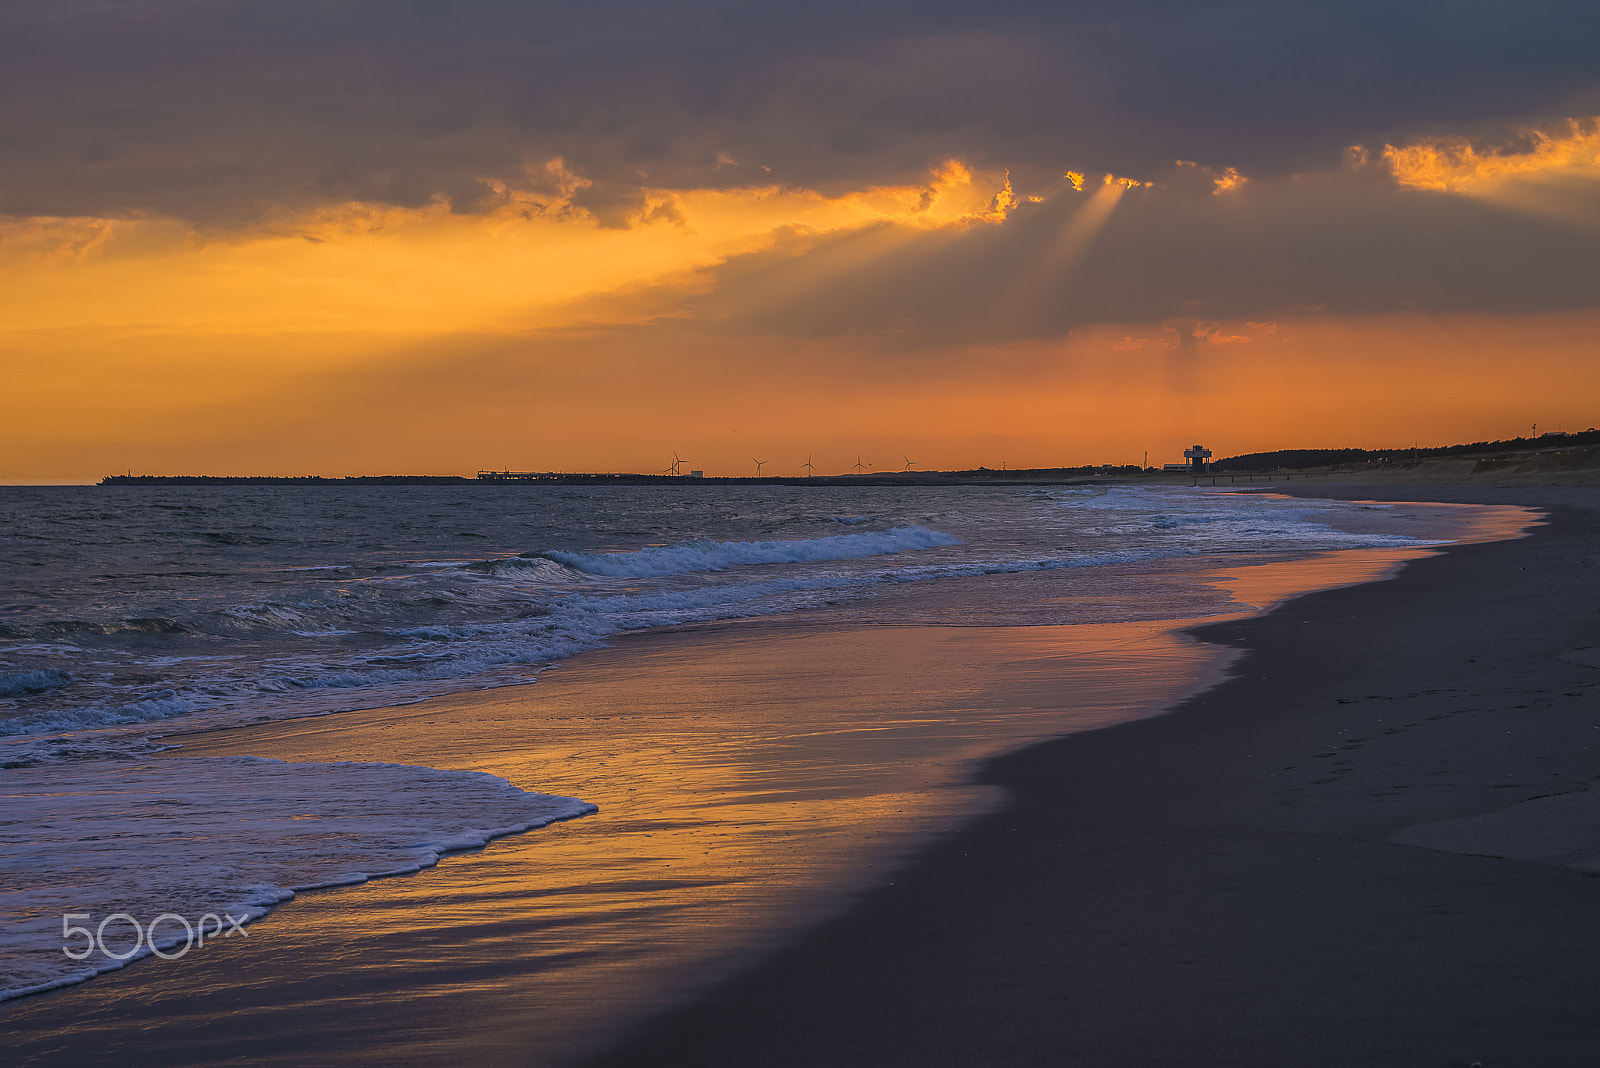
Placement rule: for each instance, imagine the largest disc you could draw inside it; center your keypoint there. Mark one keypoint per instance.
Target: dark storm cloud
(217, 109)
(1338, 245)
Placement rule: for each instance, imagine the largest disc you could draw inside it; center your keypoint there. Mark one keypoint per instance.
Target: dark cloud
(219, 109)
(1337, 245)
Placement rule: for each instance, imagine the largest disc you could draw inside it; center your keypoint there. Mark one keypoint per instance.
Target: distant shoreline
(1577, 454)
(556, 478)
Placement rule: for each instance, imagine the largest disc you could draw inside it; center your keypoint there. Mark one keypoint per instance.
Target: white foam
(219, 835)
(1187, 521)
(699, 556)
(164, 704)
(29, 682)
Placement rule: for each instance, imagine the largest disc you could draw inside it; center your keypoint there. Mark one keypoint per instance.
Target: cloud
(225, 112)
(1347, 242)
(1457, 165)
(208, 204)
(1223, 181)
(1547, 171)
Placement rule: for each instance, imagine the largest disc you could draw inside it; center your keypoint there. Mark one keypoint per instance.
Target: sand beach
(1308, 864)
(835, 535)
(1316, 855)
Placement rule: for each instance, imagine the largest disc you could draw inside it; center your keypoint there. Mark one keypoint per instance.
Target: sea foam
(227, 836)
(707, 555)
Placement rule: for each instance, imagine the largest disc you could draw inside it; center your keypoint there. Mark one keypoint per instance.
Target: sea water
(129, 615)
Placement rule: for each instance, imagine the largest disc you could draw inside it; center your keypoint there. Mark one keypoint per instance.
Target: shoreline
(691, 637)
(709, 848)
(1222, 884)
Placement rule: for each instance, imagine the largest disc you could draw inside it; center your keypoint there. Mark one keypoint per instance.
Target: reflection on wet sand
(745, 779)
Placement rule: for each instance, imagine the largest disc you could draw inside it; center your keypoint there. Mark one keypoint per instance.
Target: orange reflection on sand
(747, 780)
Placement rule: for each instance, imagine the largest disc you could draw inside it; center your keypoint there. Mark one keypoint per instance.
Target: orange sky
(739, 322)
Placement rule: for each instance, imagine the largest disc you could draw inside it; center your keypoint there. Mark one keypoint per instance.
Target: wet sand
(749, 779)
(1322, 861)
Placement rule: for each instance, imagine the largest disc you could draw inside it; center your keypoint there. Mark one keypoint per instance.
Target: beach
(835, 535)
(1245, 879)
(1228, 884)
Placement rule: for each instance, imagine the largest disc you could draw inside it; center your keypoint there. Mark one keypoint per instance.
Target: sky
(363, 237)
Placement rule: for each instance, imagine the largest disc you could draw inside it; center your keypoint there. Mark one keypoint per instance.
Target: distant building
(1175, 467)
(1197, 457)
(697, 474)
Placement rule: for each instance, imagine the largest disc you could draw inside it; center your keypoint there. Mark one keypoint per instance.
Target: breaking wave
(706, 555)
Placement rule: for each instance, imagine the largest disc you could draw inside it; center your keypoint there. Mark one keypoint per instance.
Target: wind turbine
(677, 463)
(859, 464)
(758, 464)
(806, 467)
(909, 461)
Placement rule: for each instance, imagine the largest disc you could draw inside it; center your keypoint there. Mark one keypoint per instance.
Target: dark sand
(1222, 885)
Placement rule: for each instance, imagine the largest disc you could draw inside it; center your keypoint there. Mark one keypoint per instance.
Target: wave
(163, 704)
(582, 620)
(31, 682)
(1212, 521)
(706, 555)
(185, 837)
(440, 626)
(73, 628)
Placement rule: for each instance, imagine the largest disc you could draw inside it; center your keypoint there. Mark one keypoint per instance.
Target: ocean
(131, 618)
